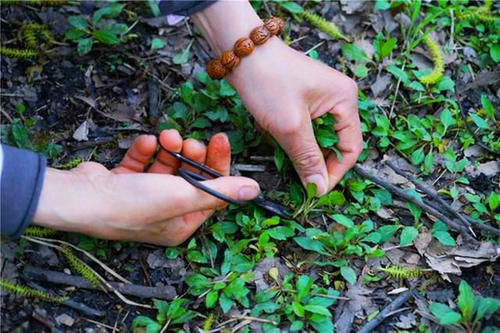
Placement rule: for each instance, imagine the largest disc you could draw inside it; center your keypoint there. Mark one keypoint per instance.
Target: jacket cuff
(21, 182)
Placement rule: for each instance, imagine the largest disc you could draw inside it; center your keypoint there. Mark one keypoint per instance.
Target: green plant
(86, 33)
(472, 310)
(28, 292)
(400, 272)
(80, 267)
(18, 53)
(39, 231)
(437, 59)
(327, 27)
(169, 314)
(40, 3)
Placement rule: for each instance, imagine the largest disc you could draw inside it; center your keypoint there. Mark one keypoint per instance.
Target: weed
(28, 292)
(80, 267)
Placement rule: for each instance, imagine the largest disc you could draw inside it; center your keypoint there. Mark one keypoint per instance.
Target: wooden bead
(215, 69)
(229, 60)
(260, 35)
(243, 47)
(275, 25)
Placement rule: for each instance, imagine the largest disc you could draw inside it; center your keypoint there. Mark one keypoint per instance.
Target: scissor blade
(273, 207)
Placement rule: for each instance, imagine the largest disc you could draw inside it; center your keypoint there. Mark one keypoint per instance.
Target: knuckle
(308, 159)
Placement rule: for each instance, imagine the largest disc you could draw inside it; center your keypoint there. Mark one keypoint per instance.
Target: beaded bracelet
(217, 68)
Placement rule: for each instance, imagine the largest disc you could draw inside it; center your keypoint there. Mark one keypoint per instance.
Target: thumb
(237, 188)
(306, 156)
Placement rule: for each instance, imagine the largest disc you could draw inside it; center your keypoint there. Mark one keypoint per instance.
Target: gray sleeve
(21, 179)
(182, 7)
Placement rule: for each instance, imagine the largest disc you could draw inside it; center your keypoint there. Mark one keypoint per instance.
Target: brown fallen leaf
(446, 261)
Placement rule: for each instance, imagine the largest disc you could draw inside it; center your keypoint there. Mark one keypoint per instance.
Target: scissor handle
(194, 179)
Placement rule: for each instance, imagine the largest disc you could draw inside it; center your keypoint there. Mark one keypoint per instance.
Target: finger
(138, 156)
(166, 163)
(303, 150)
(195, 151)
(219, 154)
(350, 142)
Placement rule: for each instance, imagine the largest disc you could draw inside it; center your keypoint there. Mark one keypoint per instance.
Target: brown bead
(260, 35)
(215, 69)
(275, 25)
(243, 47)
(229, 60)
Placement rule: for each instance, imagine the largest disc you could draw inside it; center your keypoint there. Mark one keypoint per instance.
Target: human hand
(130, 203)
(284, 90)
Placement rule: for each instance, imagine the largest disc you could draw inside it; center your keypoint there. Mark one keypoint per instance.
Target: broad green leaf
(417, 156)
(211, 298)
(292, 7)
(493, 201)
(143, 321)
(398, 73)
(353, 52)
(157, 43)
(445, 314)
(84, 46)
(322, 324)
(296, 325)
(303, 285)
(279, 156)
(225, 303)
(466, 300)
(488, 107)
(387, 232)
(382, 4)
(444, 238)
(311, 190)
(446, 83)
(317, 309)
(361, 71)
(480, 122)
(171, 252)
(447, 119)
(106, 37)
(348, 274)
(486, 305)
(408, 235)
(343, 220)
(298, 309)
(281, 232)
(74, 34)
(495, 52)
(78, 22)
(110, 11)
(181, 57)
(387, 47)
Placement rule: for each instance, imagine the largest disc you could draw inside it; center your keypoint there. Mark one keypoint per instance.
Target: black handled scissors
(194, 179)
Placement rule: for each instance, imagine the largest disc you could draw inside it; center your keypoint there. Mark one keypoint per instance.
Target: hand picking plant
(472, 310)
(169, 314)
(86, 33)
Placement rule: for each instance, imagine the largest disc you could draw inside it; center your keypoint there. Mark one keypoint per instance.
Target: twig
(103, 280)
(71, 304)
(88, 254)
(40, 274)
(260, 320)
(396, 92)
(314, 47)
(394, 305)
(443, 203)
(98, 323)
(399, 192)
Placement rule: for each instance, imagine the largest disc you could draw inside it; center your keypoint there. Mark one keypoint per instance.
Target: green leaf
(348, 274)
(408, 235)
(296, 325)
(281, 232)
(495, 52)
(318, 309)
(279, 156)
(444, 313)
(353, 52)
(447, 119)
(143, 321)
(488, 107)
(292, 7)
(398, 73)
(466, 300)
(311, 190)
(78, 22)
(74, 34)
(444, 238)
(486, 305)
(417, 156)
(387, 232)
(361, 71)
(298, 309)
(310, 244)
(480, 122)
(446, 83)
(303, 285)
(225, 303)
(322, 324)
(493, 201)
(157, 43)
(382, 4)
(171, 252)
(211, 298)
(106, 37)
(110, 11)
(387, 47)
(343, 220)
(84, 46)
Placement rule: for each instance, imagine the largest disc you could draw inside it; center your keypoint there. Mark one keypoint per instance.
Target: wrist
(64, 201)
(224, 22)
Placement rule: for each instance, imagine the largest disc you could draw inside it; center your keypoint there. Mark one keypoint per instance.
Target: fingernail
(248, 193)
(320, 184)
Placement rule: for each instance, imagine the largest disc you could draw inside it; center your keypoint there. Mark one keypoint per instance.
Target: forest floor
(408, 239)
